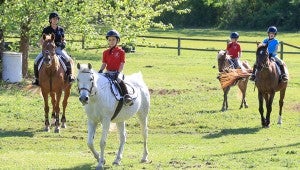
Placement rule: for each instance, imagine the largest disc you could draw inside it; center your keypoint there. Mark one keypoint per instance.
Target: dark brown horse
(53, 81)
(268, 82)
(225, 67)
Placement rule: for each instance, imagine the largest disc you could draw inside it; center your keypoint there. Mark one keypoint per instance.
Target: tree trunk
(24, 47)
(1, 51)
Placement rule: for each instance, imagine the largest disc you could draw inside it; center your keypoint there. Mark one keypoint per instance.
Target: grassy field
(186, 128)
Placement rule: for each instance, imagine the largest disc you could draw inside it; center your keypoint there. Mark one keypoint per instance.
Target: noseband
(92, 86)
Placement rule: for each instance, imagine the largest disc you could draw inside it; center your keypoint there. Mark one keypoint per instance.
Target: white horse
(100, 104)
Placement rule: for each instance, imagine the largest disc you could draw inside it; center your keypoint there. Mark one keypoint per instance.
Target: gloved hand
(100, 71)
(63, 45)
(117, 75)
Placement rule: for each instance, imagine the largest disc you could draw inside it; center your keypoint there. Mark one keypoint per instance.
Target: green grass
(186, 128)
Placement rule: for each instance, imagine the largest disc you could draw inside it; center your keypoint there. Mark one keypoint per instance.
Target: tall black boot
(252, 77)
(284, 77)
(127, 98)
(36, 74)
(69, 72)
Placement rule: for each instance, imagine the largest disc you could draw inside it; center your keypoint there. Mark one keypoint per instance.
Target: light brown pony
(53, 81)
(268, 82)
(238, 76)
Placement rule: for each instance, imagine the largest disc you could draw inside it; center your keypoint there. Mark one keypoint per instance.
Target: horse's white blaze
(100, 104)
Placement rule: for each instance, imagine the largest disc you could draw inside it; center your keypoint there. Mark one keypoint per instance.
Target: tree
(89, 17)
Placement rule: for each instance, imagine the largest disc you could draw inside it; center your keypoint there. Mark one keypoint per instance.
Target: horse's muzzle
(84, 100)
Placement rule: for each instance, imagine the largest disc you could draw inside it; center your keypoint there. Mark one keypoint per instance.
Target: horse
(241, 77)
(100, 105)
(53, 81)
(268, 83)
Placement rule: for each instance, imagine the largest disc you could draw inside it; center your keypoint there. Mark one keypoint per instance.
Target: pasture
(186, 128)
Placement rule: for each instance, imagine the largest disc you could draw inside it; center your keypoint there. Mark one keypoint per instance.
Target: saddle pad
(117, 94)
(62, 63)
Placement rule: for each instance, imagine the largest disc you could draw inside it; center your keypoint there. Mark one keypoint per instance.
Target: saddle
(117, 89)
(276, 65)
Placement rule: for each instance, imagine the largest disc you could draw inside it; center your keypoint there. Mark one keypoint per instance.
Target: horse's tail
(33, 89)
(229, 78)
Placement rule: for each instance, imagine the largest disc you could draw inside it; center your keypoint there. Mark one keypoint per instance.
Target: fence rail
(179, 44)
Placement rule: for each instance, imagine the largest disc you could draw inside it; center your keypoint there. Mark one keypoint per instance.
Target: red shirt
(233, 49)
(113, 58)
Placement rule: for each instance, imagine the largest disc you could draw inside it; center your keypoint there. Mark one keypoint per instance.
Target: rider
(234, 50)
(272, 43)
(60, 43)
(113, 61)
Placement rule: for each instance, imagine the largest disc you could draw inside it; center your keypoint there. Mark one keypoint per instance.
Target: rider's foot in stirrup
(71, 78)
(128, 100)
(252, 77)
(36, 82)
(284, 78)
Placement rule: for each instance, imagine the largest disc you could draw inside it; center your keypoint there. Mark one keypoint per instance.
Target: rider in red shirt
(234, 50)
(113, 61)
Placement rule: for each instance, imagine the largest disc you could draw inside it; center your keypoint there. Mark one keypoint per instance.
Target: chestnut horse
(53, 81)
(268, 82)
(224, 66)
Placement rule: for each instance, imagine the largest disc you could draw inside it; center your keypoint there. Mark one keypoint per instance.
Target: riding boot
(127, 98)
(69, 72)
(36, 74)
(284, 77)
(252, 77)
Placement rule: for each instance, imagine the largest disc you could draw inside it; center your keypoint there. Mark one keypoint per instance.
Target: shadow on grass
(225, 132)
(262, 149)
(4, 133)
(82, 167)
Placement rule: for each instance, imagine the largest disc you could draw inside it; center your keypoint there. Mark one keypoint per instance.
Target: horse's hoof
(144, 160)
(56, 130)
(47, 129)
(116, 163)
(246, 106)
(63, 125)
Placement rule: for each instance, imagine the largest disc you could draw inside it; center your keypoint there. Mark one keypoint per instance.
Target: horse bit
(92, 86)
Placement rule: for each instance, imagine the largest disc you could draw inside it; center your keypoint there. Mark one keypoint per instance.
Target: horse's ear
(44, 36)
(52, 36)
(90, 65)
(78, 66)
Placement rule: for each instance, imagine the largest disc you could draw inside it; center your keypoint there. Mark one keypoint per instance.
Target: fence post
(82, 41)
(178, 46)
(281, 50)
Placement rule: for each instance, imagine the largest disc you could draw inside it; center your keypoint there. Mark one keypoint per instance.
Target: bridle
(262, 59)
(92, 86)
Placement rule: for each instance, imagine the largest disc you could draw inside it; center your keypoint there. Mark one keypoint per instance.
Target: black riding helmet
(272, 29)
(113, 33)
(53, 15)
(234, 35)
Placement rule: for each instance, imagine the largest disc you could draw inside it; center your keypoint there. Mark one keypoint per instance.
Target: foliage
(237, 14)
(91, 17)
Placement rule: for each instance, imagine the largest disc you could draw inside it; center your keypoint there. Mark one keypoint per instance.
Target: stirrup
(252, 77)
(36, 82)
(128, 100)
(70, 79)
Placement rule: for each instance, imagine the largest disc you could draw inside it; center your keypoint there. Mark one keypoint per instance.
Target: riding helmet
(234, 35)
(272, 29)
(113, 33)
(53, 15)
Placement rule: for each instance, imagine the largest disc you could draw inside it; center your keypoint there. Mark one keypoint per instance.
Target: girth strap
(118, 109)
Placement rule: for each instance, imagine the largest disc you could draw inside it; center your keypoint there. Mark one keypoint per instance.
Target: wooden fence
(181, 39)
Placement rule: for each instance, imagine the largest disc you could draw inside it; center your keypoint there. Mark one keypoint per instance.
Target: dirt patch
(296, 107)
(167, 91)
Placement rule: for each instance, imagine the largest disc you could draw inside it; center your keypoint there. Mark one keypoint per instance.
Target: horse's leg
(53, 101)
(46, 110)
(57, 112)
(243, 87)
(144, 126)
(122, 133)
(225, 103)
(261, 108)
(281, 102)
(105, 128)
(90, 141)
(269, 108)
(65, 103)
